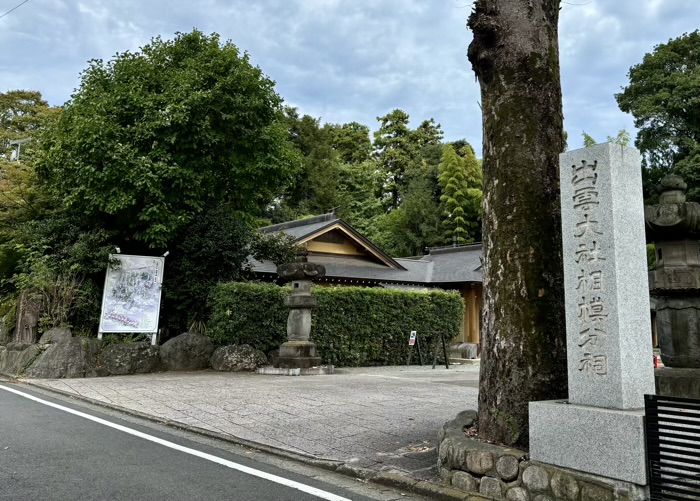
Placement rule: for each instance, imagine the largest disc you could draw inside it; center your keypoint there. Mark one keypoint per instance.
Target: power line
(13, 8)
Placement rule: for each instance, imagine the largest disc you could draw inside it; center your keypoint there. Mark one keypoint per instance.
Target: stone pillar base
(296, 355)
(606, 442)
(678, 382)
(313, 371)
(295, 362)
(298, 349)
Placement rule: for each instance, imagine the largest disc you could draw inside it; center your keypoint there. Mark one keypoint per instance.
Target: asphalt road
(69, 452)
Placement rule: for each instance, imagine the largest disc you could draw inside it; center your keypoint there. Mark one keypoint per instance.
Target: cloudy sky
(348, 60)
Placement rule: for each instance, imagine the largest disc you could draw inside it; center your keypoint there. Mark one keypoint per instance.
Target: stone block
(605, 277)
(678, 382)
(678, 324)
(536, 478)
(593, 492)
(464, 350)
(517, 494)
(564, 487)
(543, 497)
(277, 371)
(464, 481)
(321, 370)
(507, 468)
(296, 362)
(491, 487)
(445, 474)
(606, 442)
(479, 462)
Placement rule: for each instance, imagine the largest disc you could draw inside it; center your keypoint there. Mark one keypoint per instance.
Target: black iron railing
(673, 447)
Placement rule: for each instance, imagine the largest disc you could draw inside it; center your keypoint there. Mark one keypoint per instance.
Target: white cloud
(349, 60)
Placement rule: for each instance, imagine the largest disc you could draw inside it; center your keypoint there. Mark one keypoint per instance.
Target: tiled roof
(441, 266)
(302, 228)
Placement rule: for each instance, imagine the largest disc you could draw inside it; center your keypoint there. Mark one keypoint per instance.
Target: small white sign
(412, 338)
(131, 298)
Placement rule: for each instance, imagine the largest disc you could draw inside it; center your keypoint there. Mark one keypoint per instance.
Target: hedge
(352, 326)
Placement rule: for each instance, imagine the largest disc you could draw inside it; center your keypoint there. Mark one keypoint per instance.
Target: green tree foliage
(663, 98)
(358, 204)
(396, 145)
(214, 248)
(23, 202)
(315, 186)
(23, 114)
(622, 138)
(461, 181)
(152, 138)
(351, 141)
(588, 141)
(416, 224)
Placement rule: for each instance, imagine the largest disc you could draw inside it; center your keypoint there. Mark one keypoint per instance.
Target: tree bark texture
(515, 56)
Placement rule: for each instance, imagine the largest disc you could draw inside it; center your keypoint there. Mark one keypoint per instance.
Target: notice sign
(131, 299)
(412, 338)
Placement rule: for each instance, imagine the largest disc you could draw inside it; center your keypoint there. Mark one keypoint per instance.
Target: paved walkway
(381, 418)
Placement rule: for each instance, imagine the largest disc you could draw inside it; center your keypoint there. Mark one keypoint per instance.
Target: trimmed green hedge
(352, 326)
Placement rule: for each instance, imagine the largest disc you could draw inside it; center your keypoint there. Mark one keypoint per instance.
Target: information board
(131, 298)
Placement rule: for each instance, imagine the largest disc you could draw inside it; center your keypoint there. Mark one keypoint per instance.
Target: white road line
(214, 459)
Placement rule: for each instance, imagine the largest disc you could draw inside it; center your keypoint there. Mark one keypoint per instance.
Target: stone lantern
(674, 227)
(299, 352)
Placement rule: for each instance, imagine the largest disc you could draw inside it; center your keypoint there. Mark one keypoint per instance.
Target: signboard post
(444, 351)
(131, 298)
(414, 341)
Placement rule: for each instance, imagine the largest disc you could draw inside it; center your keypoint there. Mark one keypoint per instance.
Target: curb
(387, 478)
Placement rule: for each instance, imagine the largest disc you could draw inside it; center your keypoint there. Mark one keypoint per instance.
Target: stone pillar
(600, 428)
(674, 227)
(299, 352)
(27, 329)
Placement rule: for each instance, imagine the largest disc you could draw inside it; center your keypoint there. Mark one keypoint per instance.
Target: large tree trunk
(515, 57)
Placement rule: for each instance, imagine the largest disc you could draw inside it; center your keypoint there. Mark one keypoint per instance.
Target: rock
(544, 497)
(15, 357)
(592, 492)
(5, 333)
(491, 487)
(187, 352)
(471, 350)
(453, 456)
(517, 494)
(56, 335)
(564, 487)
(464, 481)
(76, 357)
(479, 462)
(536, 478)
(238, 358)
(507, 468)
(445, 475)
(131, 358)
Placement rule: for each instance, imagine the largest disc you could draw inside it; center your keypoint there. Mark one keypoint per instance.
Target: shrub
(351, 326)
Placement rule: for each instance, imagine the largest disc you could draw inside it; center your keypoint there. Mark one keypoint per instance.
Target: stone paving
(382, 418)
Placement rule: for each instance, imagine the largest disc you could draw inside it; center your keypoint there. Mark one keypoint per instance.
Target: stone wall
(503, 473)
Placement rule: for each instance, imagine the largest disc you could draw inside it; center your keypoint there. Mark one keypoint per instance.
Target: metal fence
(673, 447)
